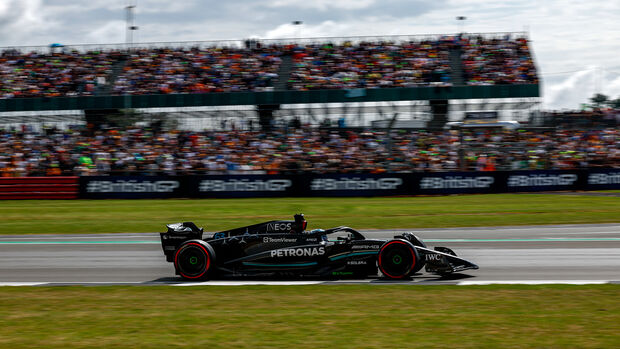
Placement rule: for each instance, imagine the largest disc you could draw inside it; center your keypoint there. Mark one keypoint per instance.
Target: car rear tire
(397, 259)
(194, 259)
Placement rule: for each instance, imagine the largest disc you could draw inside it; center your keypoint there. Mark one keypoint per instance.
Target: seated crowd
(371, 65)
(582, 119)
(195, 70)
(497, 61)
(141, 151)
(255, 68)
(56, 74)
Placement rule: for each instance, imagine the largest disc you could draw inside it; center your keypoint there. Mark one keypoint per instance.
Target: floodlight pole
(460, 22)
(297, 25)
(130, 25)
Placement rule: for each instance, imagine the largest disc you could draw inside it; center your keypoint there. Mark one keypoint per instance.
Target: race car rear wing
(177, 234)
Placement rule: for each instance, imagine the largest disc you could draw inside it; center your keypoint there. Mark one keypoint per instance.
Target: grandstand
(300, 149)
(330, 105)
(425, 78)
(363, 105)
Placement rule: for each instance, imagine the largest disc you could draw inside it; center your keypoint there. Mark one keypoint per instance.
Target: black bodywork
(286, 249)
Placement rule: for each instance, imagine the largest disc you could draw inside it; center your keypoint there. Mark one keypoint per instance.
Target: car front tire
(397, 259)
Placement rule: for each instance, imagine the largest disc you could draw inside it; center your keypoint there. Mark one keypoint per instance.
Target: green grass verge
(353, 316)
(131, 216)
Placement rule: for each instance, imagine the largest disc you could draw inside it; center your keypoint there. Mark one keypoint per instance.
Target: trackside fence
(325, 185)
(39, 188)
(342, 185)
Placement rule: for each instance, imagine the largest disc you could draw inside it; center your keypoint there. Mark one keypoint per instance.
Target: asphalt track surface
(528, 254)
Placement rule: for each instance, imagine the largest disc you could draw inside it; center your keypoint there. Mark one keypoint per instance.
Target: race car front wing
(443, 261)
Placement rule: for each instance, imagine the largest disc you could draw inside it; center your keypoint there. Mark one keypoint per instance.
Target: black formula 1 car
(284, 249)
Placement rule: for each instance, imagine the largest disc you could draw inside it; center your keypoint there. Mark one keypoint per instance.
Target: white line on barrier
(22, 283)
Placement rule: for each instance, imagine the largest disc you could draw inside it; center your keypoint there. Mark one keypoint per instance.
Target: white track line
(80, 237)
(534, 282)
(303, 283)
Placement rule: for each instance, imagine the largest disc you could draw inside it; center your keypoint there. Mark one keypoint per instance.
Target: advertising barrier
(133, 187)
(340, 185)
(12, 188)
(239, 186)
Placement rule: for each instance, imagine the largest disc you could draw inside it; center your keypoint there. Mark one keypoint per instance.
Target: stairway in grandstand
(439, 109)
(456, 66)
(284, 73)
(117, 69)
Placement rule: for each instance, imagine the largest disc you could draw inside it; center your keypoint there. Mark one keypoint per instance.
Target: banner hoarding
(343, 185)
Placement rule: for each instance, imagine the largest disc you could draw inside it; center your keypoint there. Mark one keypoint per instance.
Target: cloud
(322, 5)
(611, 85)
(324, 29)
(570, 91)
(108, 32)
(164, 20)
(22, 20)
(63, 7)
(166, 6)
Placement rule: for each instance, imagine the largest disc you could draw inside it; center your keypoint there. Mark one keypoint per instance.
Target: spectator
(255, 67)
(54, 74)
(496, 61)
(371, 65)
(141, 151)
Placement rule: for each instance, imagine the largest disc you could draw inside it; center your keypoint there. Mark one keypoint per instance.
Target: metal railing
(239, 43)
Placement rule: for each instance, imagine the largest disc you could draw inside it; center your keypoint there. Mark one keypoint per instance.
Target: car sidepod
(269, 253)
(296, 255)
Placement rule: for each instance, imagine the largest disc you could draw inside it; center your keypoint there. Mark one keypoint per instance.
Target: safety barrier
(39, 188)
(243, 186)
(429, 183)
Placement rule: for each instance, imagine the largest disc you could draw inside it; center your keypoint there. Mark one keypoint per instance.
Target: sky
(576, 43)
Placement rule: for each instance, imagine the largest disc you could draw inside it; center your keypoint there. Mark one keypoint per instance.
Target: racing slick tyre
(194, 259)
(398, 259)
